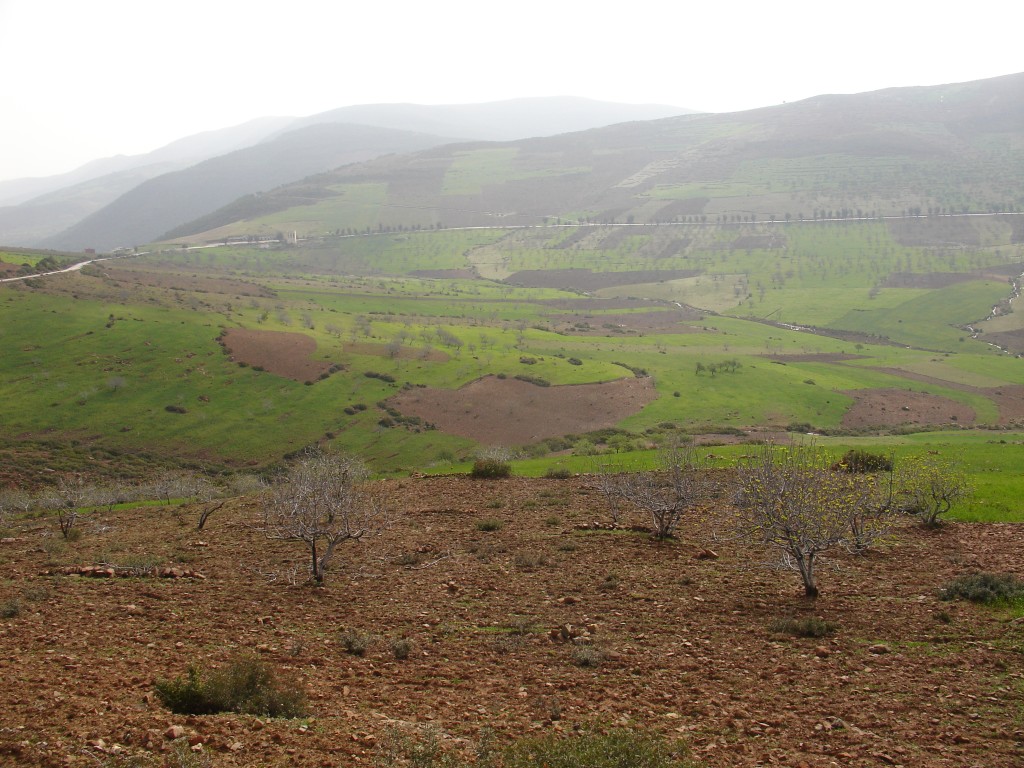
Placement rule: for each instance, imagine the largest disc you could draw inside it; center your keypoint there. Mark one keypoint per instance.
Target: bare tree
(794, 505)
(666, 494)
(70, 494)
(325, 501)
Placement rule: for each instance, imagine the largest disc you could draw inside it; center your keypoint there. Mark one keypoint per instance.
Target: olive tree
(324, 501)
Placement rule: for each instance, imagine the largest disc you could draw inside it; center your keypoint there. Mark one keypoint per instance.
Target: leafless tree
(666, 494)
(70, 494)
(325, 501)
(793, 504)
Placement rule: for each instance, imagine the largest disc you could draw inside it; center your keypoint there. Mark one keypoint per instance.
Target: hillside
(943, 149)
(164, 202)
(45, 211)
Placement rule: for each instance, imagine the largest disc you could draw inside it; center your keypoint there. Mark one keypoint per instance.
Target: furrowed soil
(688, 649)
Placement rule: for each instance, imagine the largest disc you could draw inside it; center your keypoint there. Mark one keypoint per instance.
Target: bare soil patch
(893, 407)
(1011, 341)
(934, 230)
(279, 352)
(688, 648)
(1009, 399)
(510, 412)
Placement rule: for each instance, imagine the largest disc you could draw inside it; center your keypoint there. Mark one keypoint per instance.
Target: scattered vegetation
(490, 469)
(808, 626)
(985, 588)
(246, 685)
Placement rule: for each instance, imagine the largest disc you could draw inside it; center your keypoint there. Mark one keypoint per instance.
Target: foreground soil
(906, 679)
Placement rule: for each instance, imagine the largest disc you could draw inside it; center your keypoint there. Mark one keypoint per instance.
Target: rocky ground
(683, 635)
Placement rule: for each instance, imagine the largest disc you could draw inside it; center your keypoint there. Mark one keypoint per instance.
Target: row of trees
(73, 493)
(796, 503)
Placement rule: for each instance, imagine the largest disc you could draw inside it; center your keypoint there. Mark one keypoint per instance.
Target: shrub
(355, 641)
(490, 524)
(587, 656)
(490, 468)
(401, 648)
(986, 588)
(530, 560)
(558, 473)
(811, 626)
(246, 685)
(618, 748)
(856, 460)
(574, 361)
(9, 609)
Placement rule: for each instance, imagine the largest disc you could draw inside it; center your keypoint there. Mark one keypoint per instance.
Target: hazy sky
(90, 79)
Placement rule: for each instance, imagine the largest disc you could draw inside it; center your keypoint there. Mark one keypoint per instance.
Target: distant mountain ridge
(70, 213)
(496, 120)
(161, 203)
(949, 148)
(178, 154)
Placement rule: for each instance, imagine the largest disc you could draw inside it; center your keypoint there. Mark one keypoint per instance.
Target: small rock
(878, 649)
(174, 732)
(822, 652)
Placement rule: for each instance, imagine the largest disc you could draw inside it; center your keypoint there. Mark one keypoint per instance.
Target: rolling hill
(52, 212)
(951, 148)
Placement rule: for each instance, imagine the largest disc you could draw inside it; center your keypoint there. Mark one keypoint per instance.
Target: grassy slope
(68, 373)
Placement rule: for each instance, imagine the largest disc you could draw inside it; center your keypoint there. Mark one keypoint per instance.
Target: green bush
(810, 626)
(558, 473)
(859, 461)
(355, 642)
(490, 468)
(246, 685)
(986, 588)
(619, 748)
(489, 525)
(401, 648)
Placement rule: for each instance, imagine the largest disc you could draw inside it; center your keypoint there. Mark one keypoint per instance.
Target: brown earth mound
(687, 646)
(508, 412)
(278, 352)
(893, 407)
(1008, 399)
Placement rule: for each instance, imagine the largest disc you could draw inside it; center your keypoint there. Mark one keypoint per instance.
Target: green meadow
(787, 323)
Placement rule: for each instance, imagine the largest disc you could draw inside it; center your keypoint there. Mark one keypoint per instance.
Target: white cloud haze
(87, 80)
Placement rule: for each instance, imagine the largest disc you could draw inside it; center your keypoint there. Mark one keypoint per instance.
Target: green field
(98, 357)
